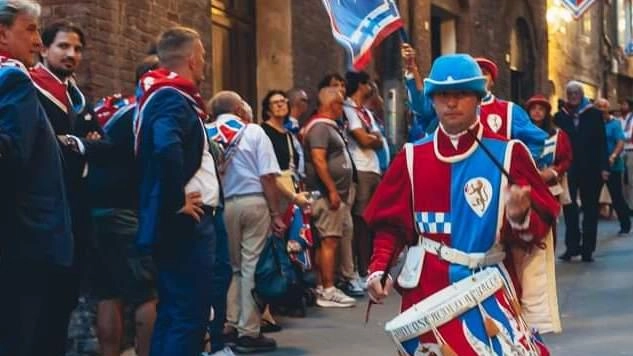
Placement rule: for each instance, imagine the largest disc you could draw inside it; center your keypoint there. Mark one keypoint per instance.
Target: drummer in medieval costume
(478, 274)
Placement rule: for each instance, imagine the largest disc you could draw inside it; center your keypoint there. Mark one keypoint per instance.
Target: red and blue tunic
(510, 121)
(497, 115)
(459, 202)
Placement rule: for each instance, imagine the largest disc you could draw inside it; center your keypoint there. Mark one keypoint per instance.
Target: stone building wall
(490, 29)
(575, 53)
(314, 50)
(119, 33)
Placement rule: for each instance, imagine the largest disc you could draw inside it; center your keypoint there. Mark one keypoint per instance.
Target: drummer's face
(457, 110)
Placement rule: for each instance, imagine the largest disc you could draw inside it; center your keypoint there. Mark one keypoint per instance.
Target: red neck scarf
(362, 113)
(161, 78)
(51, 86)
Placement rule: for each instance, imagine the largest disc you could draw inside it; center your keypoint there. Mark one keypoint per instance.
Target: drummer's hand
(517, 202)
(377, 293)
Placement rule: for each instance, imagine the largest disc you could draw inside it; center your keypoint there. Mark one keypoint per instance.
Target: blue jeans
(220, 283)
(183, 274)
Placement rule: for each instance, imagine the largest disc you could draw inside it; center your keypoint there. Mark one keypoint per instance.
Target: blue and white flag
(358, 25)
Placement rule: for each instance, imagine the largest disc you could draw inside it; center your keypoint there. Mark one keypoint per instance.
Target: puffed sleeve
(544, 207)
(564, 154)
(389, 215)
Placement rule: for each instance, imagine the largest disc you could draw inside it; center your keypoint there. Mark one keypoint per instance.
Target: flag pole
(403, 35)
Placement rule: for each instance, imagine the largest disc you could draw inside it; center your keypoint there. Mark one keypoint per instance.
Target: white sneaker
(363, 282)
(224, 352)
(358, 284)
(318, 290)
(335, 298)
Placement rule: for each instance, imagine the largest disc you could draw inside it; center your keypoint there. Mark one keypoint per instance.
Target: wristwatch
(69, 142)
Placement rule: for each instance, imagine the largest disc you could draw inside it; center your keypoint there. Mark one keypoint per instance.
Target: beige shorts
(331, 223)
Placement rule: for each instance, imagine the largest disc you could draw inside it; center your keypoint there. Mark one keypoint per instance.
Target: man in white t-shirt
(364, 139)
(251, 212)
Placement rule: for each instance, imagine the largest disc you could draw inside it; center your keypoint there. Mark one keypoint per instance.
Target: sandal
(268, 327)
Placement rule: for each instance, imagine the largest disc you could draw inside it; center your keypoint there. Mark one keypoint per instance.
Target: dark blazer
(34, 215)
(169, 154)
(588, 142)
(113, 183)
(77, 121)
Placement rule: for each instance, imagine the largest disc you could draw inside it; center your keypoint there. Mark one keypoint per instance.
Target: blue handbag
(275, 277)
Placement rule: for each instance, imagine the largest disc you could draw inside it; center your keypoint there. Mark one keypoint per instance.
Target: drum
(449, 304)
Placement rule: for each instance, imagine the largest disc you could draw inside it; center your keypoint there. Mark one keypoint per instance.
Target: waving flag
(578, 7)
(359, 25)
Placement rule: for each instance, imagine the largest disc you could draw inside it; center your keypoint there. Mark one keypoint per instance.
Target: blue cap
(455, 72)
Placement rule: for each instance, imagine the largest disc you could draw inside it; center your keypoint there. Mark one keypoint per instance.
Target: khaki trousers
(247, 224)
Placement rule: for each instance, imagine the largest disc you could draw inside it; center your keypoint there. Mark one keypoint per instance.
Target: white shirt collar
(455, 137)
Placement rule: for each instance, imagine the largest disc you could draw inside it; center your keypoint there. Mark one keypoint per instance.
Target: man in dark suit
(74, 122)
(36, 242)
(78, 133)
(590, 168)
(179, 192)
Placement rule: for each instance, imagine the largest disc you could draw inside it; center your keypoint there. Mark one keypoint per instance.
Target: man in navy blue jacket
(179, 192)
(36, 242)
(123, 277)
(78, 133)
(75, 125)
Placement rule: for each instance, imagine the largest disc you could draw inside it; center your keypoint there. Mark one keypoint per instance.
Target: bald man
(251, 211)
(329, 169)
(584, 125)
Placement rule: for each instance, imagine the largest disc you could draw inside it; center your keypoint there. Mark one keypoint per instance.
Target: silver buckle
(438, 251)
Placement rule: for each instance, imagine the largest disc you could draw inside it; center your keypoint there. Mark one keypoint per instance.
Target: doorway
(233, 47)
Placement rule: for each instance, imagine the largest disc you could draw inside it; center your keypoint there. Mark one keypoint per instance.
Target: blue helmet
(455, 72)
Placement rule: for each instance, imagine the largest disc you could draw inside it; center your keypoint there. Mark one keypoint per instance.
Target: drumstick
(383, 281)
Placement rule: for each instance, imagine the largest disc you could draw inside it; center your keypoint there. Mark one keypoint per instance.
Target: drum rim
(421, 311)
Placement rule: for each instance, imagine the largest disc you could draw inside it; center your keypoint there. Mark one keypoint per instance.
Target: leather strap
(470, 260)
